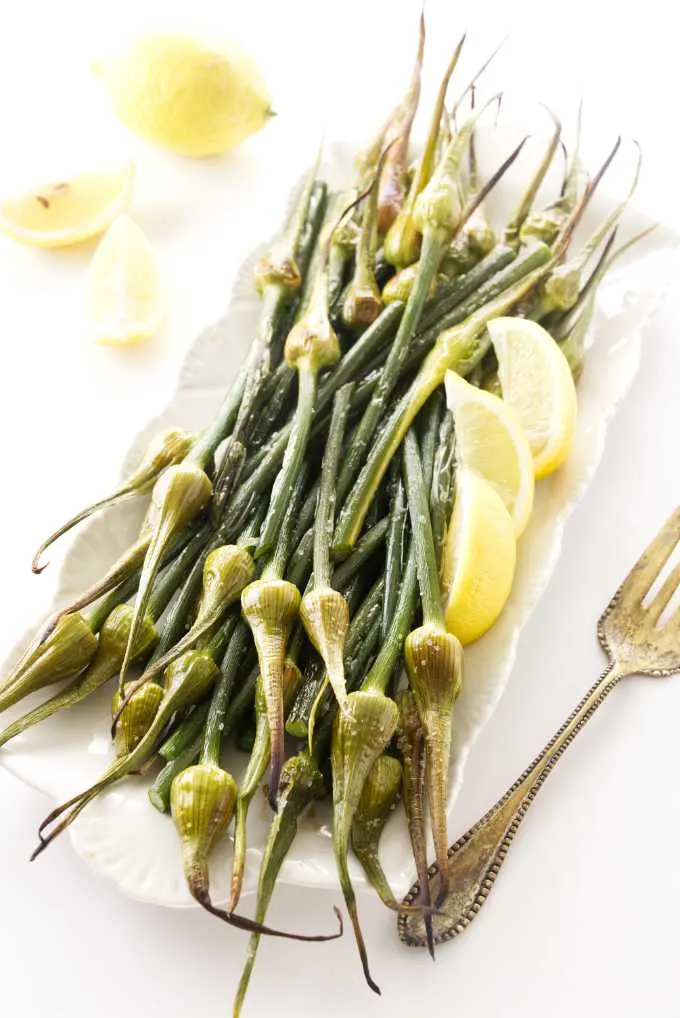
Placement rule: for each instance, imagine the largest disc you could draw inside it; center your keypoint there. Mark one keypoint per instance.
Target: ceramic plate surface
(120, 835)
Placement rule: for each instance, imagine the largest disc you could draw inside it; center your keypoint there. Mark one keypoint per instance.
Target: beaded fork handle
(635, 642)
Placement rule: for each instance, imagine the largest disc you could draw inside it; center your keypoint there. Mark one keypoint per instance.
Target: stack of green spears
(288, 563)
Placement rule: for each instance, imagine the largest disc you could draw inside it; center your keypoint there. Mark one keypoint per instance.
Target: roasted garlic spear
(270, 607)
(433, 658)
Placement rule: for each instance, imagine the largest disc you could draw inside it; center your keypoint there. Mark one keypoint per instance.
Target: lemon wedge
(70, 211)
(194, 98)
(479, 557)
(536, 381)
(124, 290)
(490, 441)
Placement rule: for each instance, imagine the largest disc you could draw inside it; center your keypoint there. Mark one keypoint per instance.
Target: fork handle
(476, 858)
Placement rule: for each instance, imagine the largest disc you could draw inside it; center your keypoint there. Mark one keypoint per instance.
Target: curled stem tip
(166, 448)
(180, 494)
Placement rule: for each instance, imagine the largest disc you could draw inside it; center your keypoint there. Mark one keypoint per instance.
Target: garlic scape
(378, 798)
(301, 783)
(122, 579)
(363, 303)
(203, 732)
(324, 611)
(166, 448)
(104, 665)
(513, 233)
(137, 708)
(570, 329)
(311, 346)
(204, 797)
(202, 802)
(315, 698)
(361, 732)
(278, 280)
(180, 494)
(561, 289)
(547, 224)
(476, 239)
(184, 747)
(438, 213)
(433, 659)
(255, 771)
(403, 241)
(566, 278)
(270, 606)
(112, 619)
(391, 187)
(196, 575)
(411, 746)
(186, 682)
(454, 349)
(64, 655)
(226, 571)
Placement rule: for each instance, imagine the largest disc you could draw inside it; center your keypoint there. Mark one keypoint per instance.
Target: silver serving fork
(636, 644)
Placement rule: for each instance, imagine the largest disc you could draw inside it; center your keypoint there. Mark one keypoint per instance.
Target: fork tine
(651, 562)
(661, 599)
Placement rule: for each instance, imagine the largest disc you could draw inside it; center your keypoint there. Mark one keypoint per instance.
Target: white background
(584, 916)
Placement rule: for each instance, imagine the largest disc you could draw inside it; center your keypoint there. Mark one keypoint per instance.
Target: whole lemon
(193, 98)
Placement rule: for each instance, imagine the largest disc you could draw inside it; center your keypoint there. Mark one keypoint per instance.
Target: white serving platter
(120, 835)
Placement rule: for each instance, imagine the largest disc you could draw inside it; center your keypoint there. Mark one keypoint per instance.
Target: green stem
(421, 530)
(205, 447)
(239, 640)
(292, 460)
(274, 301)
(392, 644)
(238, 708)
(477, 285)
(325, 512)
(168, 582)
(314, 698)
(185, 734)
(97, 616)
(300, 562)
(431, 417)
(302, 783)
(394, 547)
(442, 490)
(458, 347)
(366, 547)
(276, 567)
(433, 243)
